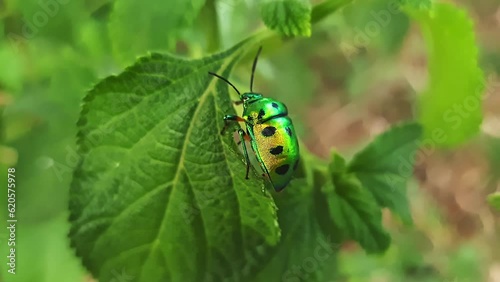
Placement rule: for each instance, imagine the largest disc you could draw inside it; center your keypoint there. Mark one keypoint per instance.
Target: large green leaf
(386, 164)
(303, 217)
(452, 101)
(137, 27)
(353, 209)
(288, 17)
(159, 192)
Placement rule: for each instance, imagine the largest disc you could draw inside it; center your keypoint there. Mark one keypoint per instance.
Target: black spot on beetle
(261, 114)
(296, 165)
(250, 118)
(276, 150)
(274, 105)
(269, 131)
(289, 131)
(281, 170)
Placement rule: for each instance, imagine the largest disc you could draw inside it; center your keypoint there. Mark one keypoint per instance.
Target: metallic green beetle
(270, 132)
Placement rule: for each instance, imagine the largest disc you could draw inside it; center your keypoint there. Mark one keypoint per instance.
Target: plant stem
(210, 26)
(326, 8)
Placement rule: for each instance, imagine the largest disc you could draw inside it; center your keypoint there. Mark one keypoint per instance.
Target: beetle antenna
(253, 67)
(225, 80)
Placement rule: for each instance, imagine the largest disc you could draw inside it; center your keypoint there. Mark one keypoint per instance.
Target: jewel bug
(270, 132)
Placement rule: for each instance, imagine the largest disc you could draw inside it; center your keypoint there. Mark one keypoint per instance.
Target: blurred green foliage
(53, 52)
(290, 18)
(456, 117)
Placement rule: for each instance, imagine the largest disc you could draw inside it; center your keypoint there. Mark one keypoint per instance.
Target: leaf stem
(320, 11)
(210, 26)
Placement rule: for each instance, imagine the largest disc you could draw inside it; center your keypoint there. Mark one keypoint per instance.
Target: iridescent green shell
(272, 138)
(264, 108)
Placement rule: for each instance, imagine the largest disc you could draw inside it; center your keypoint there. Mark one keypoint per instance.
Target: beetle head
(250, 97)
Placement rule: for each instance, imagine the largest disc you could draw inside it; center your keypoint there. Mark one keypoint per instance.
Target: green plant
(160, 193)
(156, 193)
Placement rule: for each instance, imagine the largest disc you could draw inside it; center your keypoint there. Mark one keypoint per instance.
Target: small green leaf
(159, 192)
(338, 164)
(378, 24)
(300, 223)
(494, 200)
(386, 164)
(288, 17)
(137, 27)
(354, 210)
(452, 101)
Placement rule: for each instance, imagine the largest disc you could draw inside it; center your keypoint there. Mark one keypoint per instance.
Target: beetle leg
(239, 102)
(246, 137)
(228, 119)
(242, 134)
